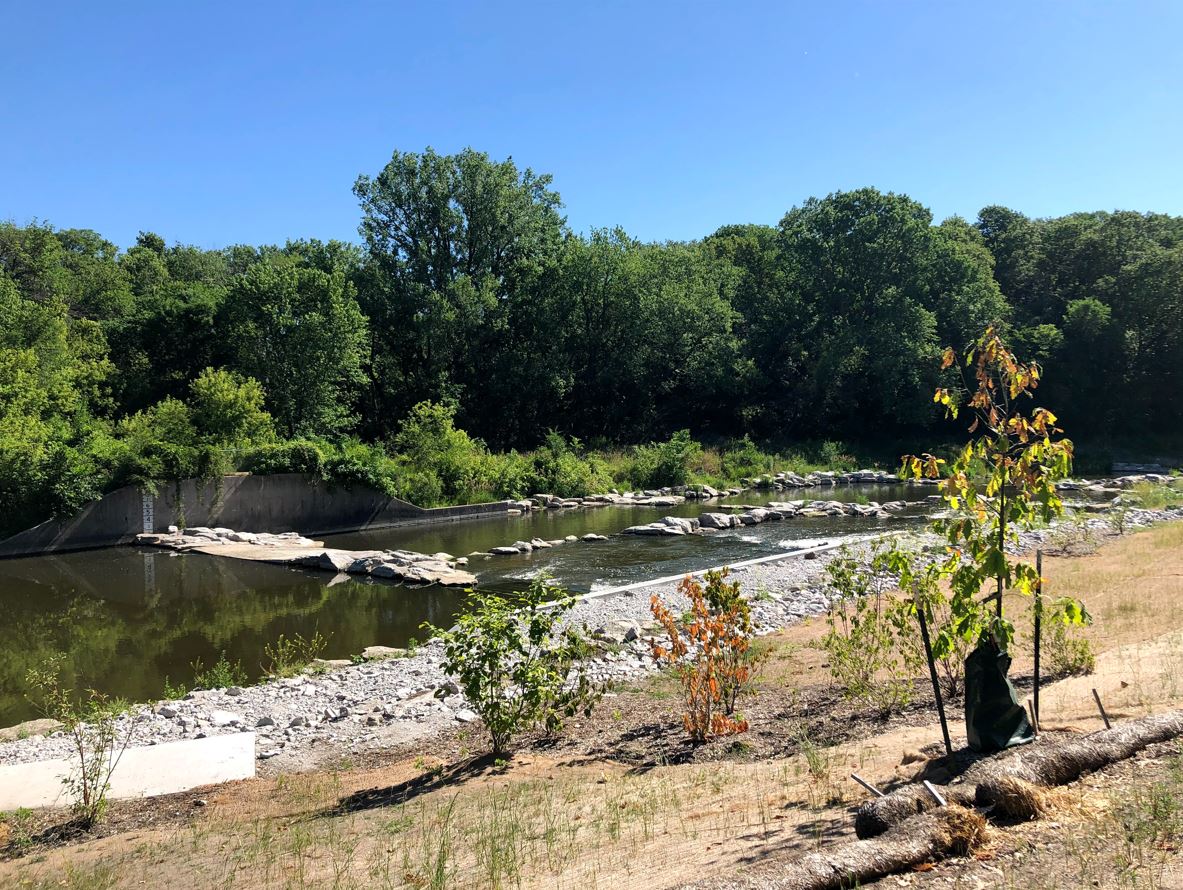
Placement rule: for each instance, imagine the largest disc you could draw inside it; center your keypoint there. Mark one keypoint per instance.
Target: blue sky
(218, 123)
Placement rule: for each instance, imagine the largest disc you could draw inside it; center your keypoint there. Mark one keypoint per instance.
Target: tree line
(470, 309)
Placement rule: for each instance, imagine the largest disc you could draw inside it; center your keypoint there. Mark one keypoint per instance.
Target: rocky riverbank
(339, 708)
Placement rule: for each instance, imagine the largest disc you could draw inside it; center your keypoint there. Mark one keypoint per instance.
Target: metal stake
(866, 784)
(932, 672)
(1101, 708)
(1038, 619)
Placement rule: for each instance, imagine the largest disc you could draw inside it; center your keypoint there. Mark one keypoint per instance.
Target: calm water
(130, 617)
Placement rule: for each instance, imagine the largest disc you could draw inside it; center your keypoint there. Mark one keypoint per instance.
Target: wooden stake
(936, 683)
(866, 784)
(1034, 718)
(1101, 708)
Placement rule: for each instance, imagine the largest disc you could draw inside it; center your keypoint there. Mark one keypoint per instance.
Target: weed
(20, 830)
(220, 675)
(288, 656)
(173, 693)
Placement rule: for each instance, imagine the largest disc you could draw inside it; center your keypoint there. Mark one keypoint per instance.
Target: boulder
(753, 517)
(380, 653)
(523, 546)
(505, 551)
(622, 630)
(334, 560)
(716, 520)
(591, 536)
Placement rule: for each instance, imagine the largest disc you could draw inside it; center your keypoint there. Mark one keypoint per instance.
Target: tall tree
(449, 239)
(297, 329)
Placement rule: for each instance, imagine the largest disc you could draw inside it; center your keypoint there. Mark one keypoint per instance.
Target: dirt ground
(623, 800)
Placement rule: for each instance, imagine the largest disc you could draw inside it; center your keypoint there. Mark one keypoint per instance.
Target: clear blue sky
(218, 123)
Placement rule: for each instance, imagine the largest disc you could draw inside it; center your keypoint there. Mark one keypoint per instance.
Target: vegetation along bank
(472, 347)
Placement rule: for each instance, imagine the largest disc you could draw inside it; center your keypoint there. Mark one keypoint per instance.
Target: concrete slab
(141, 772)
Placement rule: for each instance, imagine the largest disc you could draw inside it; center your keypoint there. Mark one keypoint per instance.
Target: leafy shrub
(221, 674)
(430, 444)
(862, 642)
(743, 460)
(710, 652)
(510, 475)
(354, 463)
(662, 464)
(1067, 653)
(228, 408)
(287, 656)
(516, 664)
(563, 468)
(90, 723)
(832, 455)
(296, 456)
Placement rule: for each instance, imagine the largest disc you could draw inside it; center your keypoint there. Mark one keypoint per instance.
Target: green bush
(516, 665)
(1067, 653)
(563, 468)
(296, 456)
(429, 443)
(354, 463)
(662, 464)
(833, 456)
(743, 460)
(866, 630)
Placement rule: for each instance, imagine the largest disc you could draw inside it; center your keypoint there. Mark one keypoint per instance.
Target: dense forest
(471, 345)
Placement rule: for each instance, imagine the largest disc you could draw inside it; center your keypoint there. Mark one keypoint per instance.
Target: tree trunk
(1045, 764)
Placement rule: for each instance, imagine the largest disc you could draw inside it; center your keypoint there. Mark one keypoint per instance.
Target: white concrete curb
(141, 772)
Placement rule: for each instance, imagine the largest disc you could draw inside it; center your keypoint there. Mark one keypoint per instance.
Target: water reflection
(128, 617)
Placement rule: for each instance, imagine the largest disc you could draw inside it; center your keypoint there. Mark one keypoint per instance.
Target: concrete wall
(278, 503)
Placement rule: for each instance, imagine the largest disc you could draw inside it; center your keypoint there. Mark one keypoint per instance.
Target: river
(129, 617)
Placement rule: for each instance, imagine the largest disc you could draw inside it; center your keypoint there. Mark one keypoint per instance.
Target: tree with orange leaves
(710, 653)
(999, 482)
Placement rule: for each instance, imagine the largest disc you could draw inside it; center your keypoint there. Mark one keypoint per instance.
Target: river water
(129, 617)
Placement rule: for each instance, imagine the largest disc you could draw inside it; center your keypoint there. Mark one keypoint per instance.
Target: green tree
(227, 408)
(450, 241)
(299, 331)
(1000, 482)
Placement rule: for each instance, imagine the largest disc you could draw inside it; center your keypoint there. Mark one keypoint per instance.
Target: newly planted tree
(518, 663)
(1000, 482)
(96, 742)
(711, 653)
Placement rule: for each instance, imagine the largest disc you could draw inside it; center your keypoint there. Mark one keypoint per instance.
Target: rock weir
(293, 549)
